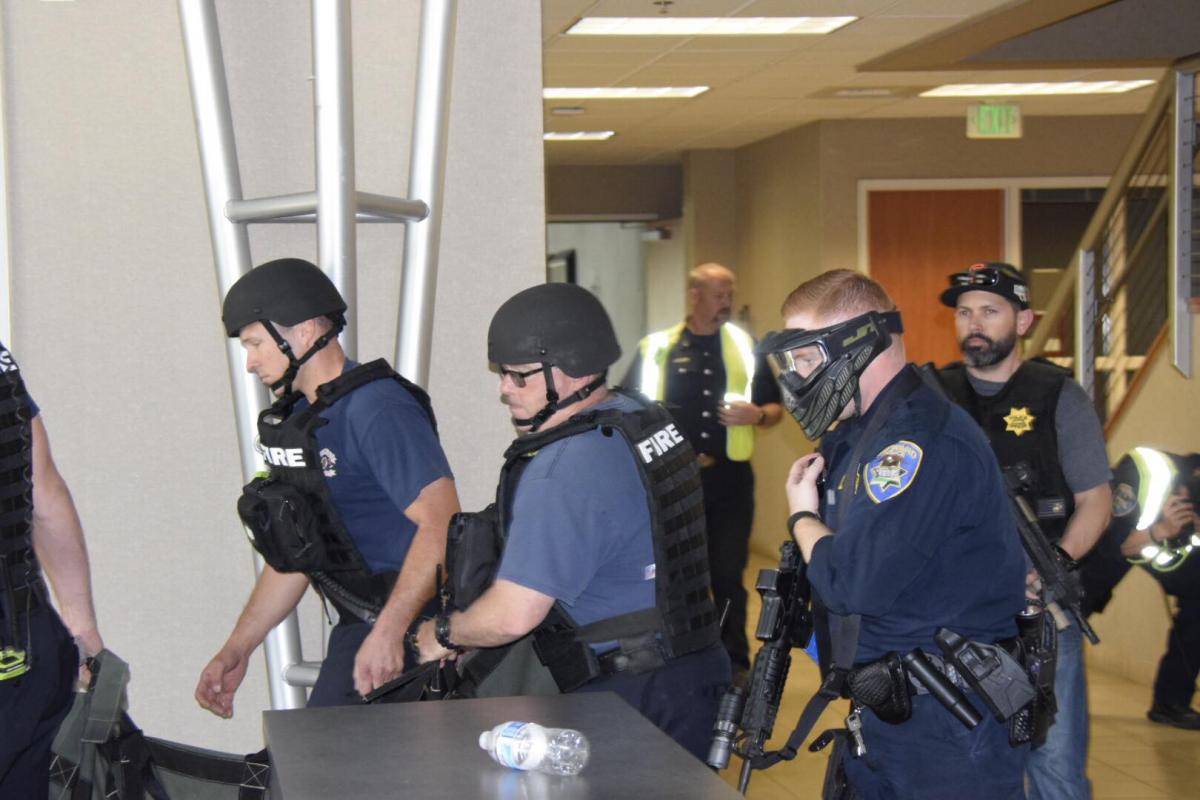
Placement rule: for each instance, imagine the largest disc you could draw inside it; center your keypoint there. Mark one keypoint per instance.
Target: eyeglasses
(518, 378)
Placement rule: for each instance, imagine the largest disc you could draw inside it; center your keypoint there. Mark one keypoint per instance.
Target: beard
(986, 352)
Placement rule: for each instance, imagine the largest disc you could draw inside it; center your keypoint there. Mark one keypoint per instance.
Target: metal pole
(1085, 324)
(334, 110)
(302, 206)
(426, 170)
(1182, 232)
(231, 251)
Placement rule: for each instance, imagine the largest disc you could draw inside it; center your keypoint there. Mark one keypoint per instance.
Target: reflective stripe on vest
(1156, 475)
(737, 353)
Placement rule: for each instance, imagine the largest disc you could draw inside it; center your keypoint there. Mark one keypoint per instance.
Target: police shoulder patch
(892, 471)
(1124, 500)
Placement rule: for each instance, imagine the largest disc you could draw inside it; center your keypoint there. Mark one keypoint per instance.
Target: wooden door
(916, 239)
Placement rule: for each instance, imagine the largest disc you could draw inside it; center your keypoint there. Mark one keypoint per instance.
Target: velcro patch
(893, 470)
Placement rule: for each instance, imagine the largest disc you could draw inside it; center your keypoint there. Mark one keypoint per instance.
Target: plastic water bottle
(529, 746)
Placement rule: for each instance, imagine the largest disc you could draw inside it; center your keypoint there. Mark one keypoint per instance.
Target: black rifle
(1061, 589)
(747, 716)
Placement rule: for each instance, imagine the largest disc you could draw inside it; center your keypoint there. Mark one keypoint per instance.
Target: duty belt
(637, 661)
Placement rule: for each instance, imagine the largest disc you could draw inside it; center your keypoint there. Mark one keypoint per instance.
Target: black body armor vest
(18, 564)
(1019, 422)
(290, 514)
(684, 618)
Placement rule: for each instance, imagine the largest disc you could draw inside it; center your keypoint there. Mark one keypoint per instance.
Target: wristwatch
(799, 515)
(441, 632)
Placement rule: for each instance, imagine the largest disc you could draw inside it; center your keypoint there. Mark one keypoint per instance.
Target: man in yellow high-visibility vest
(705, 371)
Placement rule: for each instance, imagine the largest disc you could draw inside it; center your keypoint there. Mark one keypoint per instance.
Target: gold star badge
(1019, 421)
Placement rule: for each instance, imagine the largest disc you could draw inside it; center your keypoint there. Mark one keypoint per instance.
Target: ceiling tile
(764, 85)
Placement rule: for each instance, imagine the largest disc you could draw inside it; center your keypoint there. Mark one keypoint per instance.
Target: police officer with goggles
(905, 525)
(358, 494)
(39, 530)
(600, 521)
(1033, 413)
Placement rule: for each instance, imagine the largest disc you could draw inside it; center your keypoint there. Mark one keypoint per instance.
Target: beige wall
(665, 278)
(613, 192)
(710, 207)
(1133, 627)
(114, 297)
(797, 211)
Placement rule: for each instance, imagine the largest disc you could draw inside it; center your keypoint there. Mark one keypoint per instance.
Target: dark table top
(431, 750)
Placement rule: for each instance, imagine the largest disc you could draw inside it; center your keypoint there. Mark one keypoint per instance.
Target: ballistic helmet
(557, 324)
(819, 369)
(286, 291)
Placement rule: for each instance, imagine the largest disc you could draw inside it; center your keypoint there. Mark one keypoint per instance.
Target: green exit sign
(994, 121)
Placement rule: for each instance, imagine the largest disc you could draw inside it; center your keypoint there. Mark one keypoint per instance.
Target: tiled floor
(1129, 757)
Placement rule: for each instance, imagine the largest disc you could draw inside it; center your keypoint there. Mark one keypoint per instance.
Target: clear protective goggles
(807, 352)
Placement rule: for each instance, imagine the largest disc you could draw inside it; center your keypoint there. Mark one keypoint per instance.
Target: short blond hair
(836, 293)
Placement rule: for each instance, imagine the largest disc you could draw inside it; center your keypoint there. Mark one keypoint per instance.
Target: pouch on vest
(473, 549)
(572, 663)
(284, 528)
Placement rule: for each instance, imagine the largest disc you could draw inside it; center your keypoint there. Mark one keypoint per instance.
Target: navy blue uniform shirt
(927, 539)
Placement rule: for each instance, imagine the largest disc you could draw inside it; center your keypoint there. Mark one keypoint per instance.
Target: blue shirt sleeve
(403, 452)
(549, 549)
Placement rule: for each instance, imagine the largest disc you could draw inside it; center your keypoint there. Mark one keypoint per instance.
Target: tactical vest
(290, 513)
(1019, 422)
(684, 618)
(18, 564)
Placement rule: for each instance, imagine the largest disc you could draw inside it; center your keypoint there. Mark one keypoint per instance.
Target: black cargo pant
(33, 705)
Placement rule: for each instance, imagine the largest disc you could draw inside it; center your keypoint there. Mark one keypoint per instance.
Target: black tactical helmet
(559, 324)
(287, 291)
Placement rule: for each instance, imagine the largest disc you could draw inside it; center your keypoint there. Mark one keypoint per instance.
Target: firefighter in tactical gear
(358, 492)
(601, 526)
(1033, 412)
(39, 531)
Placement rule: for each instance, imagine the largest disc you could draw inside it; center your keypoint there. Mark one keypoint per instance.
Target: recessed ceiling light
(706, 26)
(1025, 89)
(620, 92)
(577, 136)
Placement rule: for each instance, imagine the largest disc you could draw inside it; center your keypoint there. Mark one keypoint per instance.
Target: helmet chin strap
(553, 404)
(294, 364)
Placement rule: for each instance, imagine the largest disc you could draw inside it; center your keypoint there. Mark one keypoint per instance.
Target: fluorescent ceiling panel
(706, 26)
(577, 136)
(1032, 89)
(620, 92)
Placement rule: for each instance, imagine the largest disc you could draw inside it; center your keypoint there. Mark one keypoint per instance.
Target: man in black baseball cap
(1034, 413)
(989, 276)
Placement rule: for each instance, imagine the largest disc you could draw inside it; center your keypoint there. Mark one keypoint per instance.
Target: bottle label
(508, 745)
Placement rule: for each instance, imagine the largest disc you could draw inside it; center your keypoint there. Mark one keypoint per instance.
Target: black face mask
(844, 351)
